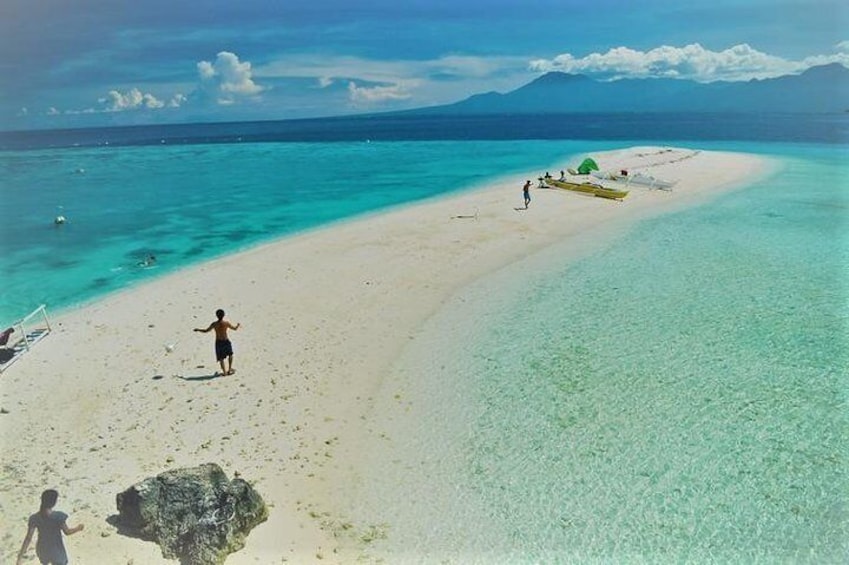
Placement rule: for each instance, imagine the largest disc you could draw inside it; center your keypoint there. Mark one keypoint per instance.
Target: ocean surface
(678, 396)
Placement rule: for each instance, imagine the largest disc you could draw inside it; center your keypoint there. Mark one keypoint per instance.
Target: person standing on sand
(50, 525)
(526, 192)
(223, 347)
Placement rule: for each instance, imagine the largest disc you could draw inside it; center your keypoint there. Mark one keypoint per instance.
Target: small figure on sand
(223, 347)
(50, 524)
(526, 192)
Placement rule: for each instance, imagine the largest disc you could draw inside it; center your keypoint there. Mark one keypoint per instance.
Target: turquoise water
(679, 397)
(184, 204)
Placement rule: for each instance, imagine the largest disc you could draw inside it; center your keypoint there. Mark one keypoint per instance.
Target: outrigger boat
(636, 178)
(589, 188)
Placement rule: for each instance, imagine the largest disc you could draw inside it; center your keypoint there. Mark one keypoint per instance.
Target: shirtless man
(223, 347)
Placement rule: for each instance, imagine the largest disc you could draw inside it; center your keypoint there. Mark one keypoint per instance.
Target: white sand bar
(100, 404)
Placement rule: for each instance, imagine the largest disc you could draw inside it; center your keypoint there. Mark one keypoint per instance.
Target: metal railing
(29, 334)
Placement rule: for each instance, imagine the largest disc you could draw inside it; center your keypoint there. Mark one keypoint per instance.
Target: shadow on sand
(215, 375)
(114, 520)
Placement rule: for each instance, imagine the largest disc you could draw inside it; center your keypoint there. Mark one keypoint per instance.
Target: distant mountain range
(822, 89)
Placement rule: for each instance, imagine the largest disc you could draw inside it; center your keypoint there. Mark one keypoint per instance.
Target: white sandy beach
(100, 404)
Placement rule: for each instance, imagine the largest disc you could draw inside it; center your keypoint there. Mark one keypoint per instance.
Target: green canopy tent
(586, 166)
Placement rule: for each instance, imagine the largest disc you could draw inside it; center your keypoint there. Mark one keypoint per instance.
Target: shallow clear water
(680, 396)
(188, 203)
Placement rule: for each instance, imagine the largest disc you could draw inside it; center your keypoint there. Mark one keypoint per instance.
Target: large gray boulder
(195, 514)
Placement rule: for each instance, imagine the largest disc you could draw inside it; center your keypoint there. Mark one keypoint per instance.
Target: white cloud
(694, 62)
(177, 100)
(227, 79)
(816, 60)
(367, 95)
(133, 99)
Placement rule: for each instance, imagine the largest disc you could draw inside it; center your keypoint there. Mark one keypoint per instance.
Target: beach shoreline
(325, 316)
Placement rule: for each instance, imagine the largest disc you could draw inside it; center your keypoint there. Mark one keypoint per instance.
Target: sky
(88, 63)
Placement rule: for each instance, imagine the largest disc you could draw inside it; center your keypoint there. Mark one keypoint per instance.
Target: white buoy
(59, 220)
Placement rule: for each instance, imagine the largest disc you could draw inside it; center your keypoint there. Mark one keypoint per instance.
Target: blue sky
(69, 63)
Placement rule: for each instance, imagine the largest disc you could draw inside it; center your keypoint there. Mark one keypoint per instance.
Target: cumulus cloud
(135, 99)
(367, 95)
(694, 62)
(227, 79)
(116, 101)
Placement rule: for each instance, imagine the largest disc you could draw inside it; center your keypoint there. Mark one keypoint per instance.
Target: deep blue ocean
(679, 396)
(784, 128)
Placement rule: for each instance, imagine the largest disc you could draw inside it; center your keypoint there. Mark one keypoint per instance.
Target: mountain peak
(829, 70)
(556, 78)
